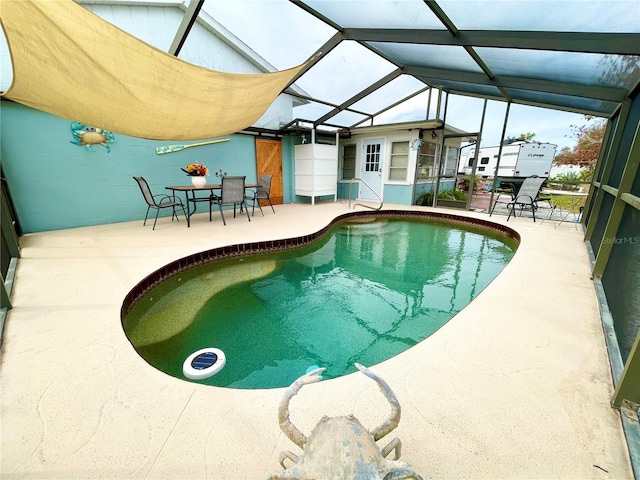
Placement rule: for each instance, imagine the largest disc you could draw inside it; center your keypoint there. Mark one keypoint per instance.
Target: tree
(527, 137)
(524, 137)
(588, 141)
(587, 148)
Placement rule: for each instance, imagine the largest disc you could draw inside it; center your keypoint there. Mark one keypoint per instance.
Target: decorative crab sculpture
(341, 447)
(84, 135)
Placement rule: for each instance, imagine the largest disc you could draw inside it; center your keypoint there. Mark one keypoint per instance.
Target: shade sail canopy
(69, 62)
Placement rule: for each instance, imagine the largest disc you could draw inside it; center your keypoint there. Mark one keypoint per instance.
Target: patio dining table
(574, 196)
(194, 199)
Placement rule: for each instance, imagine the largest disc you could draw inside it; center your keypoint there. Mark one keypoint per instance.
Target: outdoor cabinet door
(269, 161)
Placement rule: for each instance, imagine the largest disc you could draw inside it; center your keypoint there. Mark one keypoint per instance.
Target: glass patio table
(194, 199)
(575, 197)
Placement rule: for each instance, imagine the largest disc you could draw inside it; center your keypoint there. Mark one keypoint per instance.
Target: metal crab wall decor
(87, 136)
(341, 447)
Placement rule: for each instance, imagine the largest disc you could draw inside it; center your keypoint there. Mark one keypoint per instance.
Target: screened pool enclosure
(377, 62)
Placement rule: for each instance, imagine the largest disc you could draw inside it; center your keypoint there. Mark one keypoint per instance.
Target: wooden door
(269, 161)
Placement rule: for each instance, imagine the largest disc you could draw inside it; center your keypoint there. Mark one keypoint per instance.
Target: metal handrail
(362, 204)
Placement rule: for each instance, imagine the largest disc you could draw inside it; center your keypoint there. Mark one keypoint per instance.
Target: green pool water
(364, 293)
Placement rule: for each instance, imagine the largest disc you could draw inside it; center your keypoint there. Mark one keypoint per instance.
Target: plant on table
(196, 170)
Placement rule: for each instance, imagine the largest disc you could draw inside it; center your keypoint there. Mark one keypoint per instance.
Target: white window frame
(397, 156)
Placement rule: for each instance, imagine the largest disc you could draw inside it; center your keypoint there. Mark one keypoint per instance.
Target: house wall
(157, 24)
(151, 24)
(402, 192)
(56, 184)
(398, 194)
(392, 191)
(288, 179)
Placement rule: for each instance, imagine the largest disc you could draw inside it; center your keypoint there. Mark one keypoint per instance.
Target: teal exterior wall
(398, 194)
(343, 190)
(56, 184)
(288, 179)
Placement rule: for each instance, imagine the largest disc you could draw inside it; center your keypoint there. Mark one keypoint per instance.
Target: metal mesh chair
(263, 191)
(526, 197)
(159, 202)
(232, 193)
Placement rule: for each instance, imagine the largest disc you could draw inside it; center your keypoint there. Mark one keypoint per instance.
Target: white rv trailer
(518, 160)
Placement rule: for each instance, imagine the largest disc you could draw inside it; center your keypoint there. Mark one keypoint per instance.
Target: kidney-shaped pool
(363, 290)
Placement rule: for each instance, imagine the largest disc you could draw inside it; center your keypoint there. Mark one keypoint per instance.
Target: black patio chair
(262, 192)
(159, 202)
(526, 197)
(232, 193)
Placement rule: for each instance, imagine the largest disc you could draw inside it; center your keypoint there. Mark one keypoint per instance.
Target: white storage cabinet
(316, 170)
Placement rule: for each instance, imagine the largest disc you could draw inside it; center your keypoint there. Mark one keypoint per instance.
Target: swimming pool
(363, 289)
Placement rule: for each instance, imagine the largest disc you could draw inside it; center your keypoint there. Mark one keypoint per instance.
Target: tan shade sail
(69, 62)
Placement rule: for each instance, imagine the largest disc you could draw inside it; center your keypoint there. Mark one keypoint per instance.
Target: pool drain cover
(203, 363)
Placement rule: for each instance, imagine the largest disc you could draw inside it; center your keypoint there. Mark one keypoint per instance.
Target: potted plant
(198, 173)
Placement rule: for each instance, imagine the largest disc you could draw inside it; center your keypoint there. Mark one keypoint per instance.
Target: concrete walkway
(517, 385)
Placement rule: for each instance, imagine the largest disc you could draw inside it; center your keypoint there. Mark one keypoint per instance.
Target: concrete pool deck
(517, 385)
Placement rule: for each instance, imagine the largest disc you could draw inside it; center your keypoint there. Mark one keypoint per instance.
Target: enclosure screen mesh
(621, 280)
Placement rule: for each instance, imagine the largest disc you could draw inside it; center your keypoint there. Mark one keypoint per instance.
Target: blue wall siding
(399, 194)
(288, 179)
(56, 184)
(343, 190)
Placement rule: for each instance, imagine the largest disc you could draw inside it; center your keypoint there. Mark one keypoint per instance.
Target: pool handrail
(370, 188)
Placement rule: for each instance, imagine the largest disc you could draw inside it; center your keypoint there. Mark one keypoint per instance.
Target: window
(426, 161)
(484, 160)
(481, 169)
(348, 162)
(372, 158)
(451, 162)
(471, 161)
(399, 161)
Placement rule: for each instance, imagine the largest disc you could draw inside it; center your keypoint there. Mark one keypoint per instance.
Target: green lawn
(565, 202)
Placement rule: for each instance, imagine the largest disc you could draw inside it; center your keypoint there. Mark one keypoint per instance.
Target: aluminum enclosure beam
(372, 88)
(603, 43)
(190, 16)
(547, 86)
